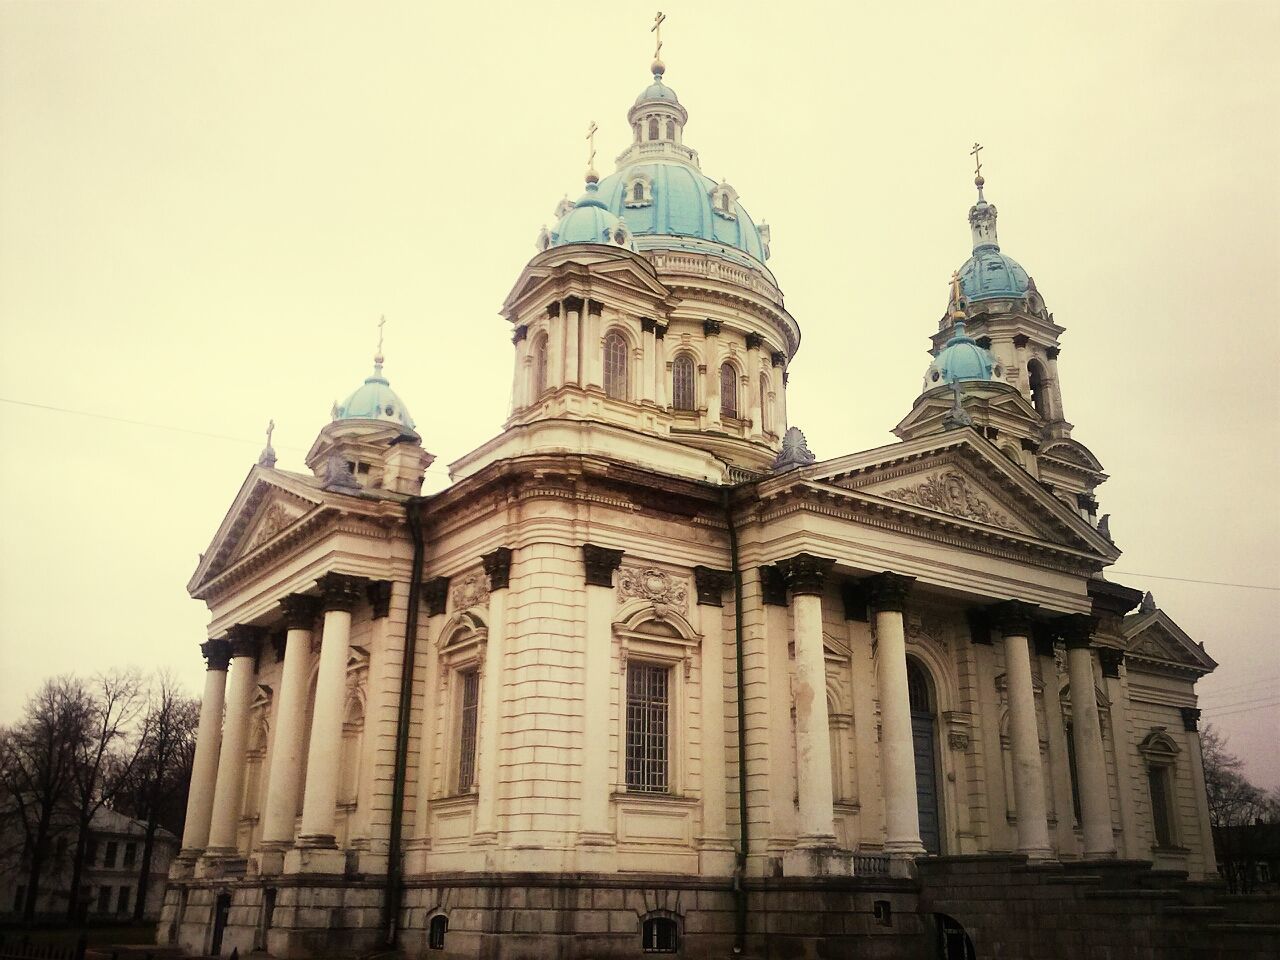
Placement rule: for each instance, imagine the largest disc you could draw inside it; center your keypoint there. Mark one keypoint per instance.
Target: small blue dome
(991, 275)
(960, 359)
(677, 202)
(658, 91)
(375, 400)
(590, 221)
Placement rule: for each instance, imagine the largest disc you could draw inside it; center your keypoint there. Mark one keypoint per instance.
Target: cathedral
(649, 677)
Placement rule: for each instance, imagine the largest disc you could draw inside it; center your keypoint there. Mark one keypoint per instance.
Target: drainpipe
(740, 866)
(395, 880)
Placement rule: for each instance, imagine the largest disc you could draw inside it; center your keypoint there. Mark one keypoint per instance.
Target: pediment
(1074, 453)
(1155, 637)
(269, 504)
(552, 274)
(962, 477)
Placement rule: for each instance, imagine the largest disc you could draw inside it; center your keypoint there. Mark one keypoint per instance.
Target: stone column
(316, 848)
(555, 346)
(488, 744)
(1020, 342)
(1191, 725)
(648, 360)
(887, 593)
(1086, 734)
(806, 577)
(225, 822)
(599, 564)
(435, 598)
(572, 339)
(1055, 390)
(752, 401)
(204, 768)
(523, 386)
(716, 857)
(1013, 619)
(1111, 660)
(711, 330)
(779, 361)
(593, 361)
(283, 783)
(660, 361)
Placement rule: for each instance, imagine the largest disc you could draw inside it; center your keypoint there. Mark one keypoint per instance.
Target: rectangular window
(130, 854)
(469, 715)
(110, 860)
(1158, 779)
(648, 702)
(104, 899)
(122, 901)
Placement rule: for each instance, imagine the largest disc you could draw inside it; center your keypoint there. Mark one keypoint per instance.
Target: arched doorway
(926, 749)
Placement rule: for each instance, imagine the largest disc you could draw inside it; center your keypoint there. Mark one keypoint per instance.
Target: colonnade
(217, 780)
(886, 596)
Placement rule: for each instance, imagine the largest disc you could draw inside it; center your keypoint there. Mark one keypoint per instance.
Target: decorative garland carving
(274, 519)
(471, 591)
(950, 492)
(958, 740)
(658, 586)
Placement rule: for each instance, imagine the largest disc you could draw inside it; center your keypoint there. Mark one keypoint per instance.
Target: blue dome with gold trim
(375, 400)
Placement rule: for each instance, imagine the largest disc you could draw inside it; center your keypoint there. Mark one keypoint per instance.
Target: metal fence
(23, 948)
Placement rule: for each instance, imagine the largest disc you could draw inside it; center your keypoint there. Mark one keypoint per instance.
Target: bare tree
(104, 760)
(38, 763)
(156, 790)
(1236, 806)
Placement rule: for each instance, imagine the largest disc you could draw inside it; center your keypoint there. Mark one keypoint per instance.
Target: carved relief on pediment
(274, 519)
(1155, 644)
(953, 493)
(662, 589)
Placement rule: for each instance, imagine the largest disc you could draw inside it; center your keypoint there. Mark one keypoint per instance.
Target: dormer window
(639, 191)
(723, 198)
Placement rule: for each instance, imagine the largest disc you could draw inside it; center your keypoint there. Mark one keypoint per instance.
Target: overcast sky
(205, 207)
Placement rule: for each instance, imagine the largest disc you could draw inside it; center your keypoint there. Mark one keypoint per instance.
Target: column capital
(340, 591)
(1111, 659)
(888, 591)
(595, 308)
(710, 328)
(711, 585)
(245, 640)
(573, 304)
(1076, 629)
(553, 308)
(1013, 617)
(660, 331)
(806, 575)
(1053, 352)
(379, 595)
(1020, 340)
(778, 358)
(1190, 719)
(435, 594)
(498, 566)
(754, 341)
(773, 586)
(521, 332)
(599, 563)
(648, 325)
(300, 611)
(216, 653)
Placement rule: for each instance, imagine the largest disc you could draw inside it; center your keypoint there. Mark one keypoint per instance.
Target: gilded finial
(658, 66)
(978, 180)
(592, 176)
(957, 295)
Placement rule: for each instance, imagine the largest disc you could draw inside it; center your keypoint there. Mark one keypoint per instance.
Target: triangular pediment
(1156, 638)
(270, 503)
(551, 277)
(963, 477)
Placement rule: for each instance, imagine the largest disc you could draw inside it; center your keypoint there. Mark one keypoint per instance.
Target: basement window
(438, 927)
(659, 935)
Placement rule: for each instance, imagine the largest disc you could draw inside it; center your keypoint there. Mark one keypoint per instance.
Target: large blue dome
(677, 202)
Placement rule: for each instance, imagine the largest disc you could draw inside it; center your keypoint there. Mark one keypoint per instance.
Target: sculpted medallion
(650, 583)
(471, 590)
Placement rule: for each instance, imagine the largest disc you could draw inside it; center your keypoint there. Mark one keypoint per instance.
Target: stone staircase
(1117, 909)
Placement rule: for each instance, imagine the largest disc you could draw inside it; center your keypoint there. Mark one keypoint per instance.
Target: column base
(271, 857)
(809, 859)
(183, 866)
(316, 853)
(596, 838)
(716, 856)
(904, 848)
(218, 862)
(1037, 854)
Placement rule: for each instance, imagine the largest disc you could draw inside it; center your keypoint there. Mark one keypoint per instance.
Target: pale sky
(205, 207)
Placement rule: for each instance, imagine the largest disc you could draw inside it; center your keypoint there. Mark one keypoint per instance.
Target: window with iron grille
(648, 748)
(468, 720)
(728, 391)
(615, 366)
(660, 935)
(682, 383)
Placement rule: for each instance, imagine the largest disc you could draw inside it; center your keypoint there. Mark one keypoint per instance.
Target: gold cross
(591, 140)
(271, 428)
(657, 28)
(977, 158)
(381, 323)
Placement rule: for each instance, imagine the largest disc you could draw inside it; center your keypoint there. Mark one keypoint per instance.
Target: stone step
(1194, 910)
(1135, 893)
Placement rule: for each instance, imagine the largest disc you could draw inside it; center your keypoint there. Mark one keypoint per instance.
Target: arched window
(540, 365)
(659, 935)
(671, 129)
(724, 202)
(615, 366)
(637, 191)
(1035, 374)
(436, 930)
(728, 391)
(1161, 756)
(766, 415)
(682, 383)
(917, 689)
(653, 128)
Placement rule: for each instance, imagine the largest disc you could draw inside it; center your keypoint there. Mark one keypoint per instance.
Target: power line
(1238, 686)
(1245, 702)
(1211, 583)
(1232, 713)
